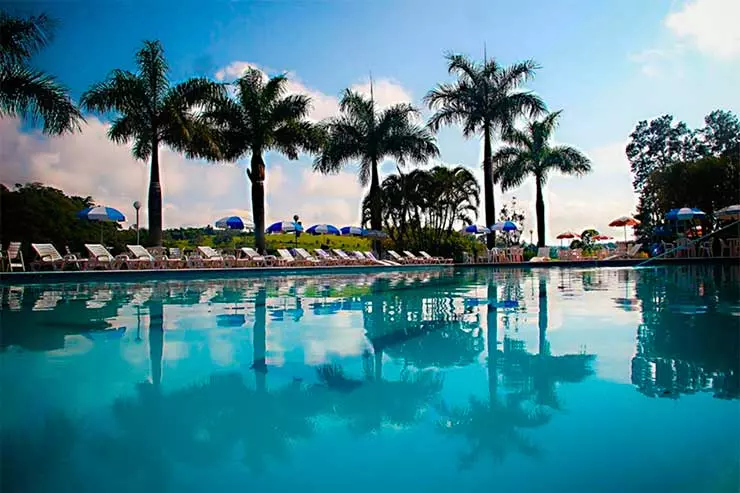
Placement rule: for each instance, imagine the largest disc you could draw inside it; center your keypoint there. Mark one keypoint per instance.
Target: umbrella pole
(625, 234)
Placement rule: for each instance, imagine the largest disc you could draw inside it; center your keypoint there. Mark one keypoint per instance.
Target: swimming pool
(576, 379)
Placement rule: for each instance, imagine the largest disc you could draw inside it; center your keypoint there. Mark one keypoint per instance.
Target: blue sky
(606, 64)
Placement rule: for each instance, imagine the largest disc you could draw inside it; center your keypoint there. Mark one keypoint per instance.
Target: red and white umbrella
(567, 235)
(623, 222)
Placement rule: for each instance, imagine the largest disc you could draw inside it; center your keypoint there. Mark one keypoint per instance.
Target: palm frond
(357, 106)
(294, 136)
(21, 38)
(568, 160)
(463, 65)
(512, 166)
(274, 89)
(198, 91)
(344, 142)
(122, 91)
(35, 96)
(153, 71)
(293, 107)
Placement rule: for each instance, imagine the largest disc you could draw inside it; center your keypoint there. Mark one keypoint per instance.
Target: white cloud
(710, 25)
(386, 92)
(657, 62)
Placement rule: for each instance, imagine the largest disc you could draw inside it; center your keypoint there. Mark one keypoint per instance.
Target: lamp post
(137, 206)
(296, 220)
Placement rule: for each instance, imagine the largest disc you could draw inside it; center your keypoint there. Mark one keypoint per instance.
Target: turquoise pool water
(448, 380)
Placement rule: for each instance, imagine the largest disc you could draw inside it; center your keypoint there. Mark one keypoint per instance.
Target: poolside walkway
(13, 278)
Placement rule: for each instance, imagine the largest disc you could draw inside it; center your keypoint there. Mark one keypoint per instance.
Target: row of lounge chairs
(138, 257)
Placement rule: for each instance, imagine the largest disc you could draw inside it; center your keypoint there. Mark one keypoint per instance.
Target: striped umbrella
(505, 226)
(729, 212)
(685, 214)
(566, 235)
(475, 229)
(353, 231)
(102, 214)
(234, 222)
(623, 222)
(284, 227)
(372, 233)
(323, 229)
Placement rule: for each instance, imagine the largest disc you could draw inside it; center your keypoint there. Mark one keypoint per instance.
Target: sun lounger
(47, 255)
(285, 257)
(99, 256)
(254, 258)
(344, 257)
(439, 260)
(414, 259)
(141, 255)
(371, 256)
(398, 258)
(211, 258)
(629, 254)
(15, 256)
(543, 255)
(306, 257)
(362, 259)
(326, 258)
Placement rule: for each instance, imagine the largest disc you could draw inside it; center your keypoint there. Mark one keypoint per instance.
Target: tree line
(205, 119)
(676, 166)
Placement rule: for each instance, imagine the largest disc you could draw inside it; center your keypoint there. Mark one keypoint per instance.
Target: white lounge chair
(343, 255)
(254, 258)
(47, 255)
(99, 256)
(15, 256)
(141, 255)
(362, 259)
(211, 258)
(629, 254)
(306, 257)
(414, 259)
(543, 255)
(371, 256)
(285, 257)
(438, 260)
(397, 258)
(324, 256)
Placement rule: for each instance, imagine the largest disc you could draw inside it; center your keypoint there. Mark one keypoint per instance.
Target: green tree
(150, 111)
(24, 91)
(365, 134)
(528, 152)
(485, 98)
(258, 118)
(721, 134)
(421, 209)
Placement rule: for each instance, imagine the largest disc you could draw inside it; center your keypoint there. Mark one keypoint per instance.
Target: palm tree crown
(150, 111)
(485, 98)
(367, 135)
(27, 93)
(260, 117)
(529, 153)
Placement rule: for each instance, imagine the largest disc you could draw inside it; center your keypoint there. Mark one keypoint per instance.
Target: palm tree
(529, 153)
(366, 134)
(260, 117)
(485, 98)
(150, 111)
(28, 93)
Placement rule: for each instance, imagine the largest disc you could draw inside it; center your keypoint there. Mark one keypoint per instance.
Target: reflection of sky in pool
(468, 380)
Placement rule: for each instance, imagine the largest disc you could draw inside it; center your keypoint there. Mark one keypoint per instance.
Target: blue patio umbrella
(101, 214)
(284, 227)
(353, 231)
(234, 222)
(685, 214)
(475, 229)
(505, 226)
(323, 229)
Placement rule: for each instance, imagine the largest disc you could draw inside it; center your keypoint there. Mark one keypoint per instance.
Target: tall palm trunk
(488, 184)
(259, 340)
(540, 211)
(492, 342)
(257, 177)
(544, 348)
(376, 203)
(155, 198)
(156, 341)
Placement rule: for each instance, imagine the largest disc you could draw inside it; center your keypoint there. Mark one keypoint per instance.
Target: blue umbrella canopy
(234, 222)
(323, 229)
(101, 213)
(505, 226)
(684, 214)
(475, 229)
(353, 231)
(284, 227)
